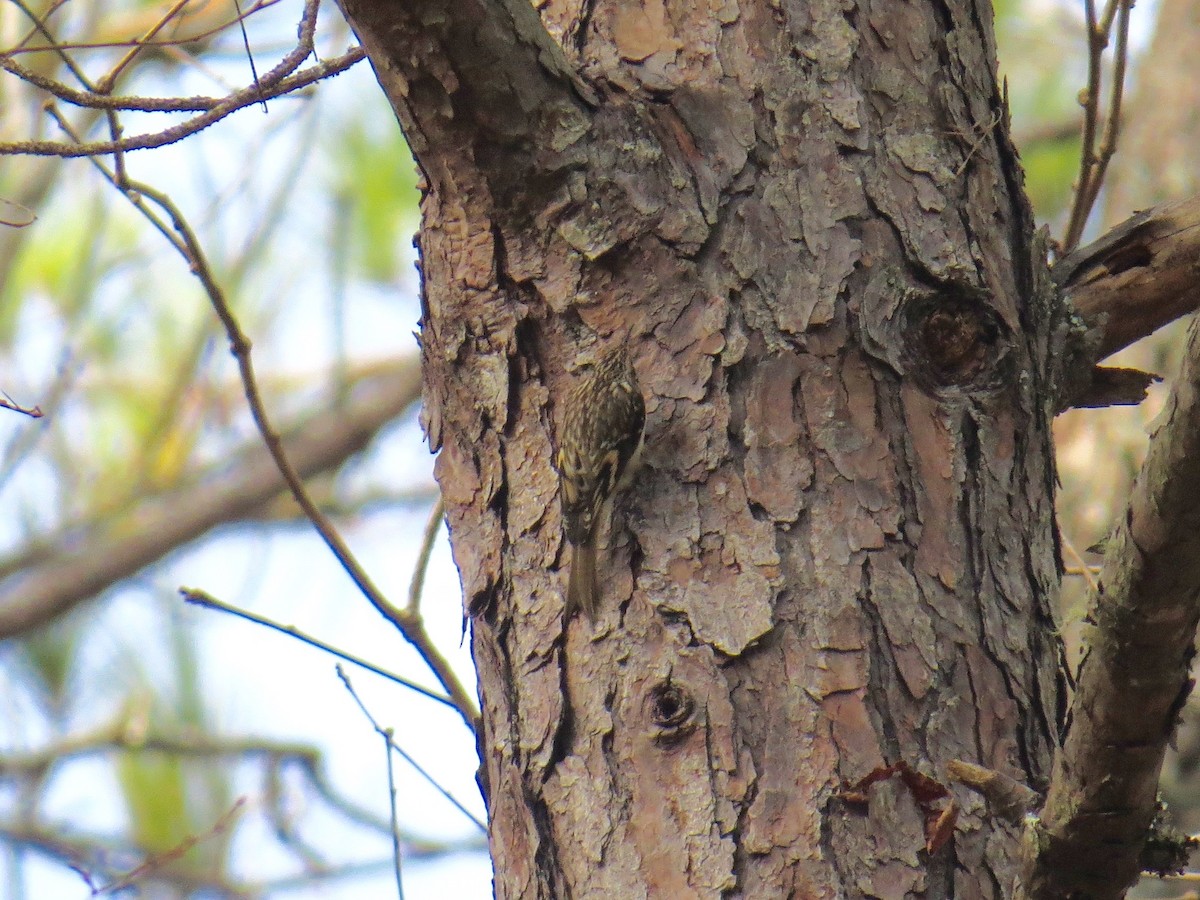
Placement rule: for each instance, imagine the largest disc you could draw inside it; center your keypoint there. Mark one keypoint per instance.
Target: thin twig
(1091, 105)
(82, 558)
(237, 4)
(7, 402)
(412, 624)
(240, 347)
(163, 45)
(1082, 567)
(202, 598)
(110, 116)
(411, 627)
(441, 790)
(1093, 160)
(16, 215)
(176, 852)
(184, 240)
(118, 736)
(280, 80)
(26, 440)
(39, 27)
(1106, 20)
(115, 178)
(39, 22)
(282, 823)
(230, 104)
(403, 755)
(51, 842)
(391, 777)
(1112, 126)
(105, 84)
(118, 153)
(417, 586)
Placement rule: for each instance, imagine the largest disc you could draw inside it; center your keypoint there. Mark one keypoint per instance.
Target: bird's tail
(581, 583)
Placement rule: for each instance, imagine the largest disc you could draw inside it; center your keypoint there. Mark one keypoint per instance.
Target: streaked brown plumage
(598, 441)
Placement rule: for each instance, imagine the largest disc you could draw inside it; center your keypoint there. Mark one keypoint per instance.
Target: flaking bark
(840, 551)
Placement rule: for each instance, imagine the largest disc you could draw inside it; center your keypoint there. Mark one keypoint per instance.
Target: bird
(599, 442)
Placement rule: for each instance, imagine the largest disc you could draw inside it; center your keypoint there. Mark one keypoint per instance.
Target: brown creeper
(598, 443)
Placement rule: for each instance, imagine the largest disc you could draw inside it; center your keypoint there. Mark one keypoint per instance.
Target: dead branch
(1137, 277)
(1006, 797)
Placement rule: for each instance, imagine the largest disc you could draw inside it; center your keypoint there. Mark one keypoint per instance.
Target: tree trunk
(809, 224)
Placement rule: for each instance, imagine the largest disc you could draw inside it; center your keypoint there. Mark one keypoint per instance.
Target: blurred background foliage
(130, 726)
(306, 213)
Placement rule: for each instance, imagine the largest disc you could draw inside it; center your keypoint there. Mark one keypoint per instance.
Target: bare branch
(1137, 277)
(75, 570)
(16, 215)
(6, 402)
(411, 627)
(70, 848)
(1093, 161)
(1006, 797)
(1112, 126)
(387, 734)
(436, 517)
(1091, 113)
(184, 240)
(157, 861)
(201, 598)
(39, 27)
(1134, 677)
(190, 36)
(92, 100)
(118, 737)
(77, 852)
(53, 841)
(278, 81)
(232, 103)
(106, 83)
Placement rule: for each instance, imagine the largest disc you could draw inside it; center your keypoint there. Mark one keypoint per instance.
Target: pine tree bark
(809, 224)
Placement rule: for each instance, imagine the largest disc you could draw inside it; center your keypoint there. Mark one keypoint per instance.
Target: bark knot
(671, 712)
(955, 341)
